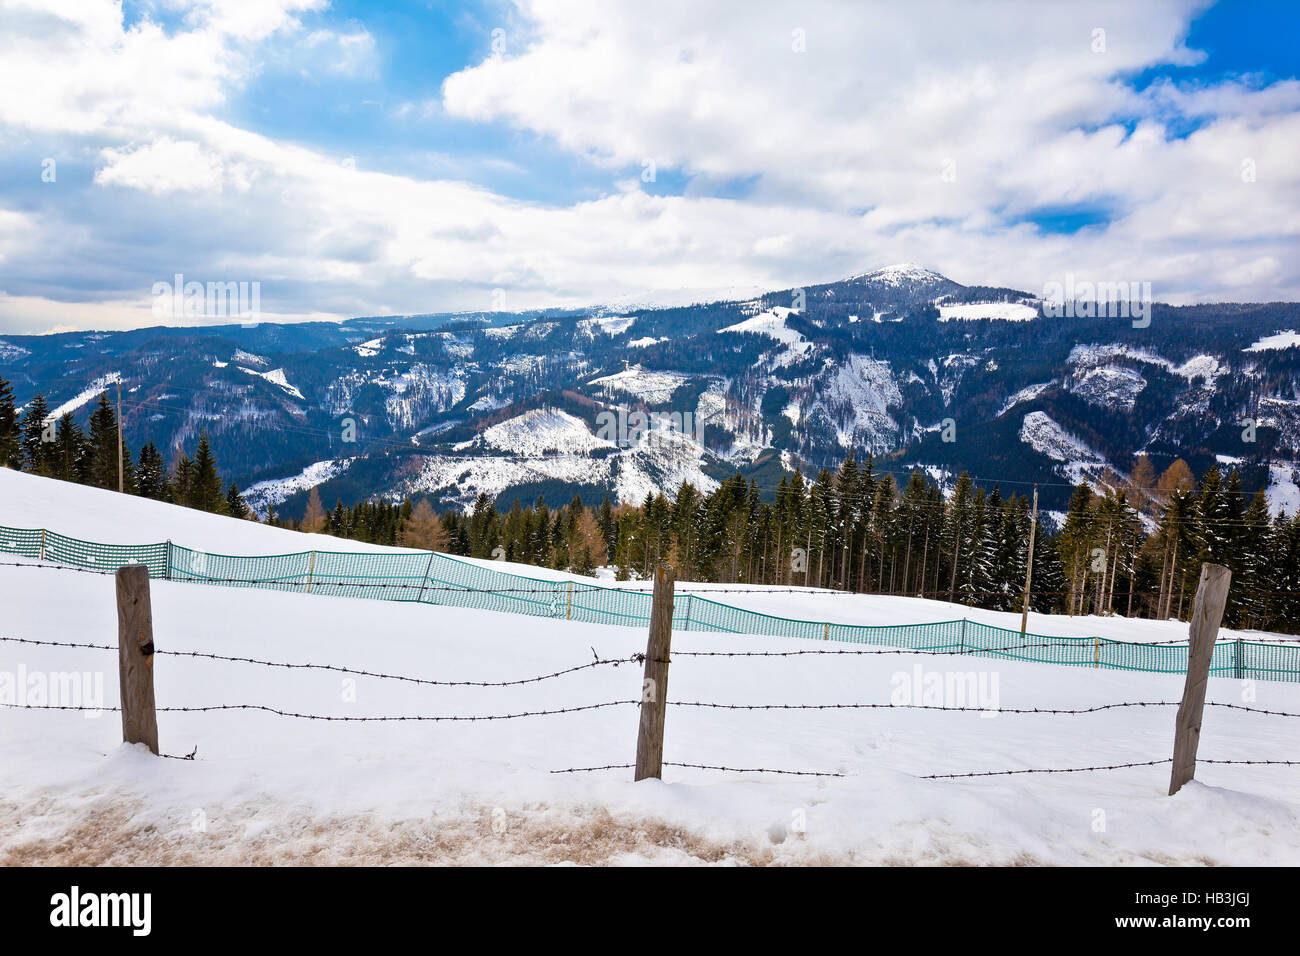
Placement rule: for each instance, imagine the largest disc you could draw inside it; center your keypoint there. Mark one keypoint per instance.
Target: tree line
(1132, 546)
(59, 448)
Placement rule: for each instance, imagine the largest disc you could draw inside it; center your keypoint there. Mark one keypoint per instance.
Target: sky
(412, 156)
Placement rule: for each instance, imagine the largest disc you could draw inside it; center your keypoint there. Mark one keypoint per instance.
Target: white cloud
(166, 166)
(845, 146)
(348, 53)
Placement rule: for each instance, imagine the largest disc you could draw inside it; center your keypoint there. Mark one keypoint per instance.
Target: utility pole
(1029, 565)
(120, 473)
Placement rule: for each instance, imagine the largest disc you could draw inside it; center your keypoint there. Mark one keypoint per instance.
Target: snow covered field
(265, 788)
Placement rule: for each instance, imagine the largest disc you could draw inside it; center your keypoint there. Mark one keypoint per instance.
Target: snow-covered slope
(264, 788)
(1077, 461)
(95, 514)
(538, 431)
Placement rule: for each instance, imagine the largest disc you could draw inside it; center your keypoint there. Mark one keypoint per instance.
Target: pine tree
(35, 437)
(151, 475)
(183, 481)
(10, 430)
(235, 506)
(101, 470)
(65, 458)
(608, 529)
(206, 493)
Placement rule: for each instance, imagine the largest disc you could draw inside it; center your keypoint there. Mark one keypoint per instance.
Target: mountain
(902, 363)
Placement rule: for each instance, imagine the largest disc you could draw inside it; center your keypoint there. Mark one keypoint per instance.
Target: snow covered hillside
(265, 788)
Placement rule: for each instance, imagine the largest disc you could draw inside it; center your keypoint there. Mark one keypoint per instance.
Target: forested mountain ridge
(901, 363)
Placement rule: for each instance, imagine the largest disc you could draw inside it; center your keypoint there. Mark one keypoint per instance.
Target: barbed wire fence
(140, 712)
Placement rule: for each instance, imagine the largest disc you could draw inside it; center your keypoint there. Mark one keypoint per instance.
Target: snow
(1004, 311)
(460, 479)
(249, 358)
(1205, 367)
(898, 273)
(653, 387)
(772, 324)
(88, 394)
(645, 342)
(1026, 394)
(857, 398)
(10, 352)
(1042, 433)
(274, 790)
(1283, 492)
(1202, 366)
(502, 331)
(95, 514)
(1109, 386)
(660, 462)
(607, 324)
(274, 491)
(487, 403)
(537, 432)
(419, 391)
(522, 364)
(1279, 340)
(275, 377)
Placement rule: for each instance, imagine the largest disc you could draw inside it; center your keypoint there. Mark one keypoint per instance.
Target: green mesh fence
(439, 579)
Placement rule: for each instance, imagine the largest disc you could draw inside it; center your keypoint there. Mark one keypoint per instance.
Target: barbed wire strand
(329, 717)
(598, 662)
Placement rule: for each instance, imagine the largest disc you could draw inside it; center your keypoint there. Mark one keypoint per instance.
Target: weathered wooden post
(654, 685)
(135, 656)
(1207, 613)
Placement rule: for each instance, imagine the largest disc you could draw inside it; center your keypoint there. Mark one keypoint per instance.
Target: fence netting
(433, 578)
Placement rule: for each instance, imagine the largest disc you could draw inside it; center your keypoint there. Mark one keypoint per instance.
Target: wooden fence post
(654, 685)
(311, 572)
(568, 609)
(1207, 613)
(135, 656)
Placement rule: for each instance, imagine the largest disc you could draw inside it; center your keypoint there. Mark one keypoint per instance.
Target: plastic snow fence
(439, 579)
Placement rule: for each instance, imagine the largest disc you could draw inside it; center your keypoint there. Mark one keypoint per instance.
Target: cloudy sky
(367, 158)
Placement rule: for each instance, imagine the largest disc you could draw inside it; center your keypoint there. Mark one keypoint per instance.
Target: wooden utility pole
(1211, 596)
(120, 472)
(654, 685)
(1029, 565)
(135, 656)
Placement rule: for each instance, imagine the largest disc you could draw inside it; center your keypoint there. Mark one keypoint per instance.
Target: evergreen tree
(36, 438)
(10, 430)
(206, 493)
(66, 458)
(151, 475)
(101, 470)
(235, 506)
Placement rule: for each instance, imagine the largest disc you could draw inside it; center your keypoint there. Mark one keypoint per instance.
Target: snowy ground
(270, 789)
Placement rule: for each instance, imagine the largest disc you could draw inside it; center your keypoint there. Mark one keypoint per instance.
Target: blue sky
(370, 158)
